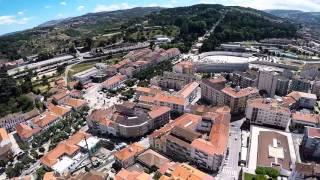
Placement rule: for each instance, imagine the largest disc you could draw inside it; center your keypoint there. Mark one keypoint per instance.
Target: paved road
(230, 169)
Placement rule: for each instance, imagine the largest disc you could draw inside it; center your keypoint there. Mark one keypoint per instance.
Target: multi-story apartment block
(114, 82)
(237, 98)
(268, 112)
(128, 119)
(268, 81)
(126, 156)
(211, 90)
(282, 86)
(172, 80)
(316, 88)
(299, 84)
(311, 143)
(198, 139)
(301, 120)
(303, 100)
(177, 101)
(245, 79)
(184, 67)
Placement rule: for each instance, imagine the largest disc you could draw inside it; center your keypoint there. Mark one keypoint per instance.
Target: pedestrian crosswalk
(228, 173)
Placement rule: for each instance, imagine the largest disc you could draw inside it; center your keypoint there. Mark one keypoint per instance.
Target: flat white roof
(224, 59)
(41, 63)
(92, 142)
(63, 164)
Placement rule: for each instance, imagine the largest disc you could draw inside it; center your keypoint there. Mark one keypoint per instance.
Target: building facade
(267, 112)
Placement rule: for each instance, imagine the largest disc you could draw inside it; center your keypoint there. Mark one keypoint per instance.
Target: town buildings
(311, 143)
(127, 156)
(237, 98)
(198, 139)
(182, 171)
(173, 80)
(128, 119)
(69, 153)
(268, 81)
(282, 86)
(305, 171)
(303, 100)
(300, 120)
(10, 121)
(114, 82)
(5, 143)
(211, 90)
(271, 148)
(270, 112)
(245, 79)
(299, 84)
(214, 91)
(177, 101)
(316, 88)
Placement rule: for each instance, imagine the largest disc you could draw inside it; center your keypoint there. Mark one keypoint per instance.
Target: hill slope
(185, 24)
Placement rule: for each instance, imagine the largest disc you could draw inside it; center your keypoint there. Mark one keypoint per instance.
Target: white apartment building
(268, 81)
(268, 112)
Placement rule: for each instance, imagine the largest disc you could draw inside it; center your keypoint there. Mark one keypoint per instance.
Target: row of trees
(11, 94)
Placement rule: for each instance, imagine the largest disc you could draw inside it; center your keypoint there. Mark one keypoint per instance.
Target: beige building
(237, 98)
(201, 140)
(268, 112)
(5, 143)
(268, 81)
(211, 90)
(128, 119)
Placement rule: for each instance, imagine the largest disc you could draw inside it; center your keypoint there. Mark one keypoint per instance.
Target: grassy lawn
(112, 61)
(80, 67)
(248, 176)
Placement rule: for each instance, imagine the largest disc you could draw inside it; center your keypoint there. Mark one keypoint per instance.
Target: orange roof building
(126, 157)
(75, 103)
(45, 119)
(58, 110)
(300, 120)
(25, 132)
(184, 171)
(114, 82)
(64, 150)
(5, 142)
(132, 175)
(128, 119)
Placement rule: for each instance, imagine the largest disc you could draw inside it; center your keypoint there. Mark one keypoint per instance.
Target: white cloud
(20, 13)
(63, 3)
(306, 5)
(80, 8)
(112, 7)
(8, 20)
(48, 7)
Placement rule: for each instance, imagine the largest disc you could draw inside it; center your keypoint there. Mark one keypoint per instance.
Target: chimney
(237, 89)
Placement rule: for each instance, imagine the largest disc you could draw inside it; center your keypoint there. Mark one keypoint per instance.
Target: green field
(80, 67)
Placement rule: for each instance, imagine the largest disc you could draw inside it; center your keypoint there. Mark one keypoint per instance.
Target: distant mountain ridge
(93, 18)
(297, 16)
(99, 29)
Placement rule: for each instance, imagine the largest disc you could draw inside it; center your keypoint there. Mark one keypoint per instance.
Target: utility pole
(85, 139)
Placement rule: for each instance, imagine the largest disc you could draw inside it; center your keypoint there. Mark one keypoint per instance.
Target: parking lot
(97, 99)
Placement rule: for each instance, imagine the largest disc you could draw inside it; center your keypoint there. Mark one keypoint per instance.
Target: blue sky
(18, 15)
